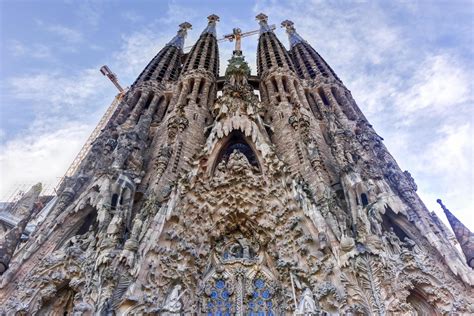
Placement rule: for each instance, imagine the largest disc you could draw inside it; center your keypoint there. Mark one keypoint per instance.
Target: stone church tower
(194, 202)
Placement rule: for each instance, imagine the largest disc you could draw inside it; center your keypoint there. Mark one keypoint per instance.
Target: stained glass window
(260, 304)
(219, 302)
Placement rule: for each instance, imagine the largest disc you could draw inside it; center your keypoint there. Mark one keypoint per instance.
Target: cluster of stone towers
(191, 204)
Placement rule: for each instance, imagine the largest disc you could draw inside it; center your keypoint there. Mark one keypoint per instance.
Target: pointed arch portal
(236, 141)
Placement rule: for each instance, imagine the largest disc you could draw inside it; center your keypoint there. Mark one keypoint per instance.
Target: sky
(408, 64)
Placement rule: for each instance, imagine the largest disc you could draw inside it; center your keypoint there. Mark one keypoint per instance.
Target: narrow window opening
(113, 204)
(364, 200)
(148, 101)
(285, 84)
(322, 95)
(162, 107)
(201, 86)
(275, 86)
(190, 86)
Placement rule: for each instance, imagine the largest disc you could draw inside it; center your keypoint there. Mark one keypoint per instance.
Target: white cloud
(439, 83)
(38, 51)
(132, 16)
(43, 157)
(89, 12)
(136, 52)
(177, 14)
(57, 93)
(66, 33)
(447, 163)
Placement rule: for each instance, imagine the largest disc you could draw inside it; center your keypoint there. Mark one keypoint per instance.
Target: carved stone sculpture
(201, 197)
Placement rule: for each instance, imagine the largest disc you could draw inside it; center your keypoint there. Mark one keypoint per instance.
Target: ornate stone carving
(265, 209)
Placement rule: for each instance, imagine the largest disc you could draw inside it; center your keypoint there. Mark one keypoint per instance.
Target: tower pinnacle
(263, 21)
(211, 26)
(293, 37)
(178, 40)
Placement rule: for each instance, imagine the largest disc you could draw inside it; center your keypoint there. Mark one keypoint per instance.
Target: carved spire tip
(213, 18)
(289, 25)
(263, 21)
(294, 37)
(262, 18)
(211, 25)
(185, 26)
(442, 205)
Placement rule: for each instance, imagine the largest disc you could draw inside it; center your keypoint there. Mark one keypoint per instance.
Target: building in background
(277, 203)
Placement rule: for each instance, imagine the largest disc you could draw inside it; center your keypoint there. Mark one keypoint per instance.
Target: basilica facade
(266, 194)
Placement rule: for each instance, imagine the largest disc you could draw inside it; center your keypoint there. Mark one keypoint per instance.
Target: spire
(263, 21)
(165, 65)
(211, 25)
(24, 208)
(205, 53)
(293, 37)
(308, 63)
(178, 40)
(464, 236)
(270, 51)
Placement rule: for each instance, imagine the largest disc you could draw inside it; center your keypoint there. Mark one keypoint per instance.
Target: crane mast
(105, 70)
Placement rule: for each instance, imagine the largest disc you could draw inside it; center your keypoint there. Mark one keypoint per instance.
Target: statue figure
(172, 304)
(124, 148)
(220, 169)
(363, 224)
(238, 163)
(241, 249)
(374, 212)
(307, 305)
(411, 245)
(245, 247)
(393, 240)
(323, 241)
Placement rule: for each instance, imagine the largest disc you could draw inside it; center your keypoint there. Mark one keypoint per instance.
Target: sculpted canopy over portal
(266, 194)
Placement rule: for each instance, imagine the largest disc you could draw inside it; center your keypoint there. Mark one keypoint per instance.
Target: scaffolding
(100, 126)
(95, 133)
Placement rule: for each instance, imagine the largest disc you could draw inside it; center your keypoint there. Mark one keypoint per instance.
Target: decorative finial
(441, 204)
(213, 18)
(288, 25)
(262, 18)
(211, 26)
(185, 26)
(293, 37)
(263, 21)
(178, 40)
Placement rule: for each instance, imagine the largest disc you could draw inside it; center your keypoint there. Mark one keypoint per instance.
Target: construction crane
(103, 121)
(237, 36)
(105, 70)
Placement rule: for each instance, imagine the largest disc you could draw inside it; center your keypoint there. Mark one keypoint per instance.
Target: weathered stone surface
(193, 204)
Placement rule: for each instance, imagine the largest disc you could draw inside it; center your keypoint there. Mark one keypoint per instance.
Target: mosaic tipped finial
(178, 40)
(263, 21)
(288, 25)
(185, 26)
(262, 18)
(211, 26)
(213, 18)
(293, 37)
